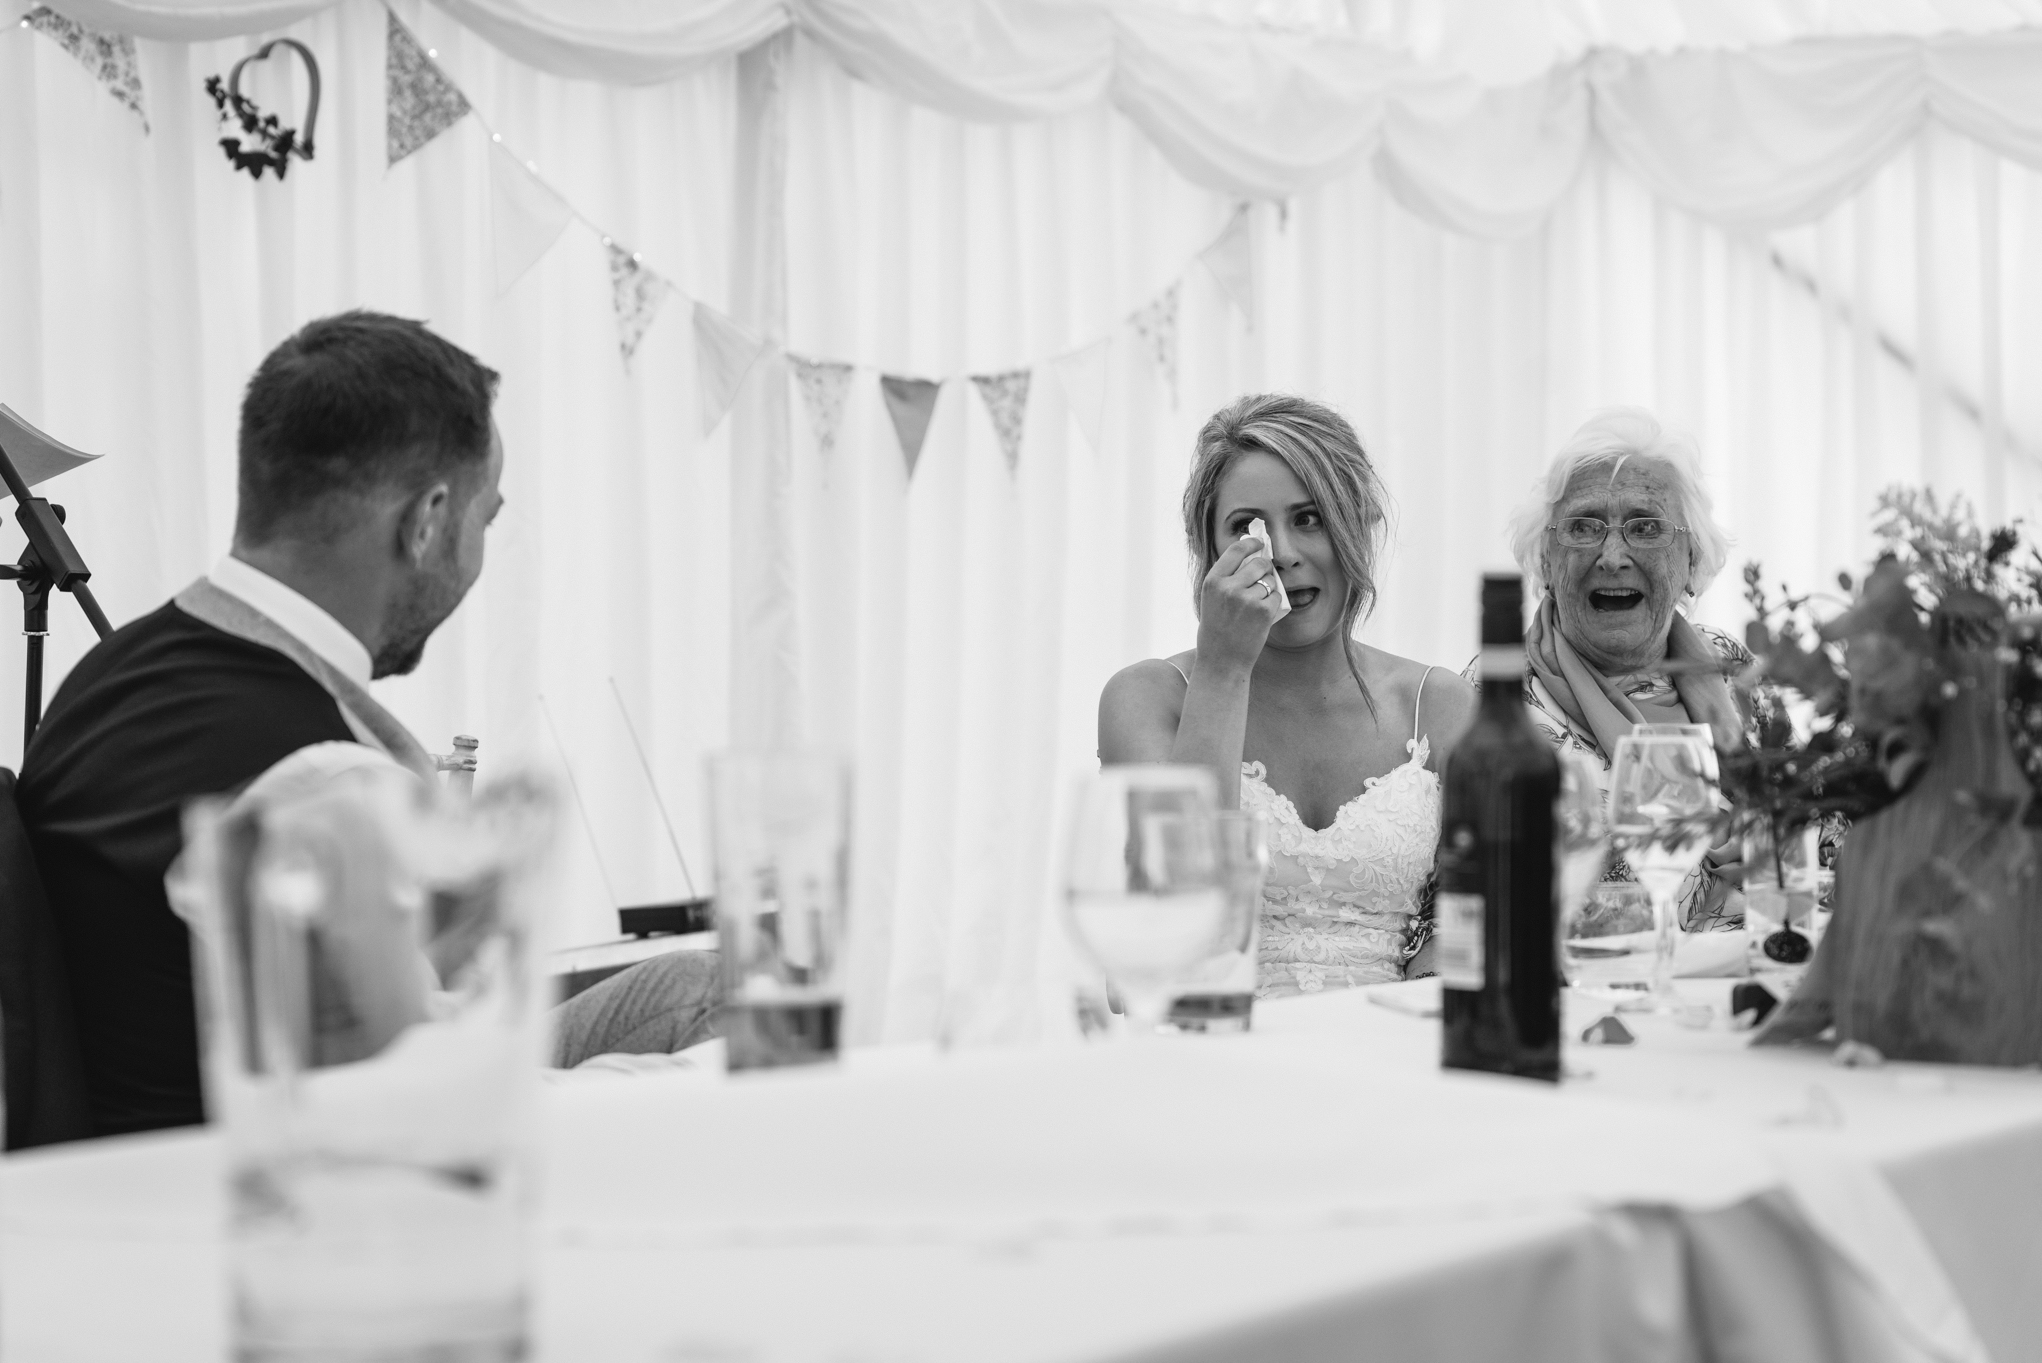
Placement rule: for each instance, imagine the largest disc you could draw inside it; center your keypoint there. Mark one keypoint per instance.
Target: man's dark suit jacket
(163, 711)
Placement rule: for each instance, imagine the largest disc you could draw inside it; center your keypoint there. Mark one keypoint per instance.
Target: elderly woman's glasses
(1641, 532)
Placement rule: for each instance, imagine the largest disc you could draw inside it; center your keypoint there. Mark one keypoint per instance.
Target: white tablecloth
(1319, 1189)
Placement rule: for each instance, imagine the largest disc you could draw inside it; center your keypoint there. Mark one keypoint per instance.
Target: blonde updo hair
(1320, 448)
(1605, 442)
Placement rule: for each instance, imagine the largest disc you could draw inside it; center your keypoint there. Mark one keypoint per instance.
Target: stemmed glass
(1145, 888)
(1662, 813)
(1701, 733)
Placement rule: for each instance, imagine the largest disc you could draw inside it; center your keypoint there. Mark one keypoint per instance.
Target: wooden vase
(1935, 949)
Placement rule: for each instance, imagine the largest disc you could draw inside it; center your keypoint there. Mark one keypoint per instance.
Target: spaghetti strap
(1418, 706)
(1180, 671)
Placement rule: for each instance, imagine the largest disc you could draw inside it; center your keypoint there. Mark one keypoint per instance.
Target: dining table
(1315, 1188)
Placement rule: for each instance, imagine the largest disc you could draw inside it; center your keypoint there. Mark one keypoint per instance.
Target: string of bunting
(528, 216)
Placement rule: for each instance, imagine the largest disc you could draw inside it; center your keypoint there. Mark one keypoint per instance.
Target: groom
(369, 465)
(368, 478)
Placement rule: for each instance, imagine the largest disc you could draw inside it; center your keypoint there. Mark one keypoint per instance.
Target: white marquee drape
(952, 631)
(1502, 41)
(1768, 136)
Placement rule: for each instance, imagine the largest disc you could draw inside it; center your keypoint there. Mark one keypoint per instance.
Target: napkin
(1257, 529)
(1413, 998)
(1696, 955)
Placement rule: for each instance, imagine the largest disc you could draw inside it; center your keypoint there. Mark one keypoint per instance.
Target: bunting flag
(525, 216)
(1156, 324)
(421, 102)
(1006, 399)
(1083, 375)
(110, 57)
(638, 294)
(910, 402)
(724, 353)
(824, 386)
(1231, 260)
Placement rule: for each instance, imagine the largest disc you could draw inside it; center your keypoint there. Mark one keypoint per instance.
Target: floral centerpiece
(1912, 715)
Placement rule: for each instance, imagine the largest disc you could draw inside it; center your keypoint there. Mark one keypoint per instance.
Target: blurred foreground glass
(1780, 889)
(1581, 825)
(1219, 993)
(1144, 896)
(373, 1035)
(783, 847)
(1610, 945)
(1662, 813)
(1701, 733)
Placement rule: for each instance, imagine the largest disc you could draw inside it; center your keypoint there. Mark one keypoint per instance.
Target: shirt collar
(297, 614)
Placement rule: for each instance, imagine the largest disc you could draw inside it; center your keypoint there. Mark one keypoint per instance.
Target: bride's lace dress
(1339, 906)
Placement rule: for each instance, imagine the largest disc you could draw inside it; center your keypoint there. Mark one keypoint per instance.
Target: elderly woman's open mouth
(1616, 598)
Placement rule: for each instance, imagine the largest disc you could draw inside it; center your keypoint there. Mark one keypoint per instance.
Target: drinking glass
(1701, 733)
(372, 1027)
(1144, 891)
(1219, 993)
(1662, 813)
(1779, 903)
(781, 826)
(1611, 945)
(1581, 826)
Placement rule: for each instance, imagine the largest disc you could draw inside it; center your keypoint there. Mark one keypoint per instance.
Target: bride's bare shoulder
(1150, 681)
(1139, 709)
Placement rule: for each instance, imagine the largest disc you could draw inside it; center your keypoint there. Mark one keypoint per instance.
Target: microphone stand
(49, 560)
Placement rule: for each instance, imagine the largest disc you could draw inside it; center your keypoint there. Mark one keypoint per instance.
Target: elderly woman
(1618, 534)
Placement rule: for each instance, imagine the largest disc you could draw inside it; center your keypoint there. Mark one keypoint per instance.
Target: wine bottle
(1499, 975)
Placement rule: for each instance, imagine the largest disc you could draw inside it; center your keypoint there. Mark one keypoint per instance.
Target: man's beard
(432, 598)
(400, 657)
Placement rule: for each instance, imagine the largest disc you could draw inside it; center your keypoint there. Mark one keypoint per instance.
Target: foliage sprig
(1872, 676)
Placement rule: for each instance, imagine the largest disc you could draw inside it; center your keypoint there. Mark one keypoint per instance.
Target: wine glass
(1145, 890)
(1662, 812)
(1702, 733)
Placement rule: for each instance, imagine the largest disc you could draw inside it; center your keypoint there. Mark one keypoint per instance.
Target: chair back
(44, 1075)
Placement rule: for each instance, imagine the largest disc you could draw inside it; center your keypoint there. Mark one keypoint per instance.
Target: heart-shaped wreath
(265, 143)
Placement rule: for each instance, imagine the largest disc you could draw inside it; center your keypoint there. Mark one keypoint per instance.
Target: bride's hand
(1237, 604)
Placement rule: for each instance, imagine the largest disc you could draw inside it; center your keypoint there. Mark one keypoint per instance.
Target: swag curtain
(952, 630)
(1762, 136)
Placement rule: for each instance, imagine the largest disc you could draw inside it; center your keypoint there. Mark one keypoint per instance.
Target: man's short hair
(352, 405)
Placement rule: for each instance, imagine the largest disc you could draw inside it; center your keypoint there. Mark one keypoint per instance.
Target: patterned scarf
(1592, 702)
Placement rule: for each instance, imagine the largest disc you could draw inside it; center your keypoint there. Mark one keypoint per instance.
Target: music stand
(49, 560)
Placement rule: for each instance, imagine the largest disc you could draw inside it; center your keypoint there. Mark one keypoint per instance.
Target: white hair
(1605, 441)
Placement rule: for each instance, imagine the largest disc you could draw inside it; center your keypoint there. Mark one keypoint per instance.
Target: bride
(1336, 743)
